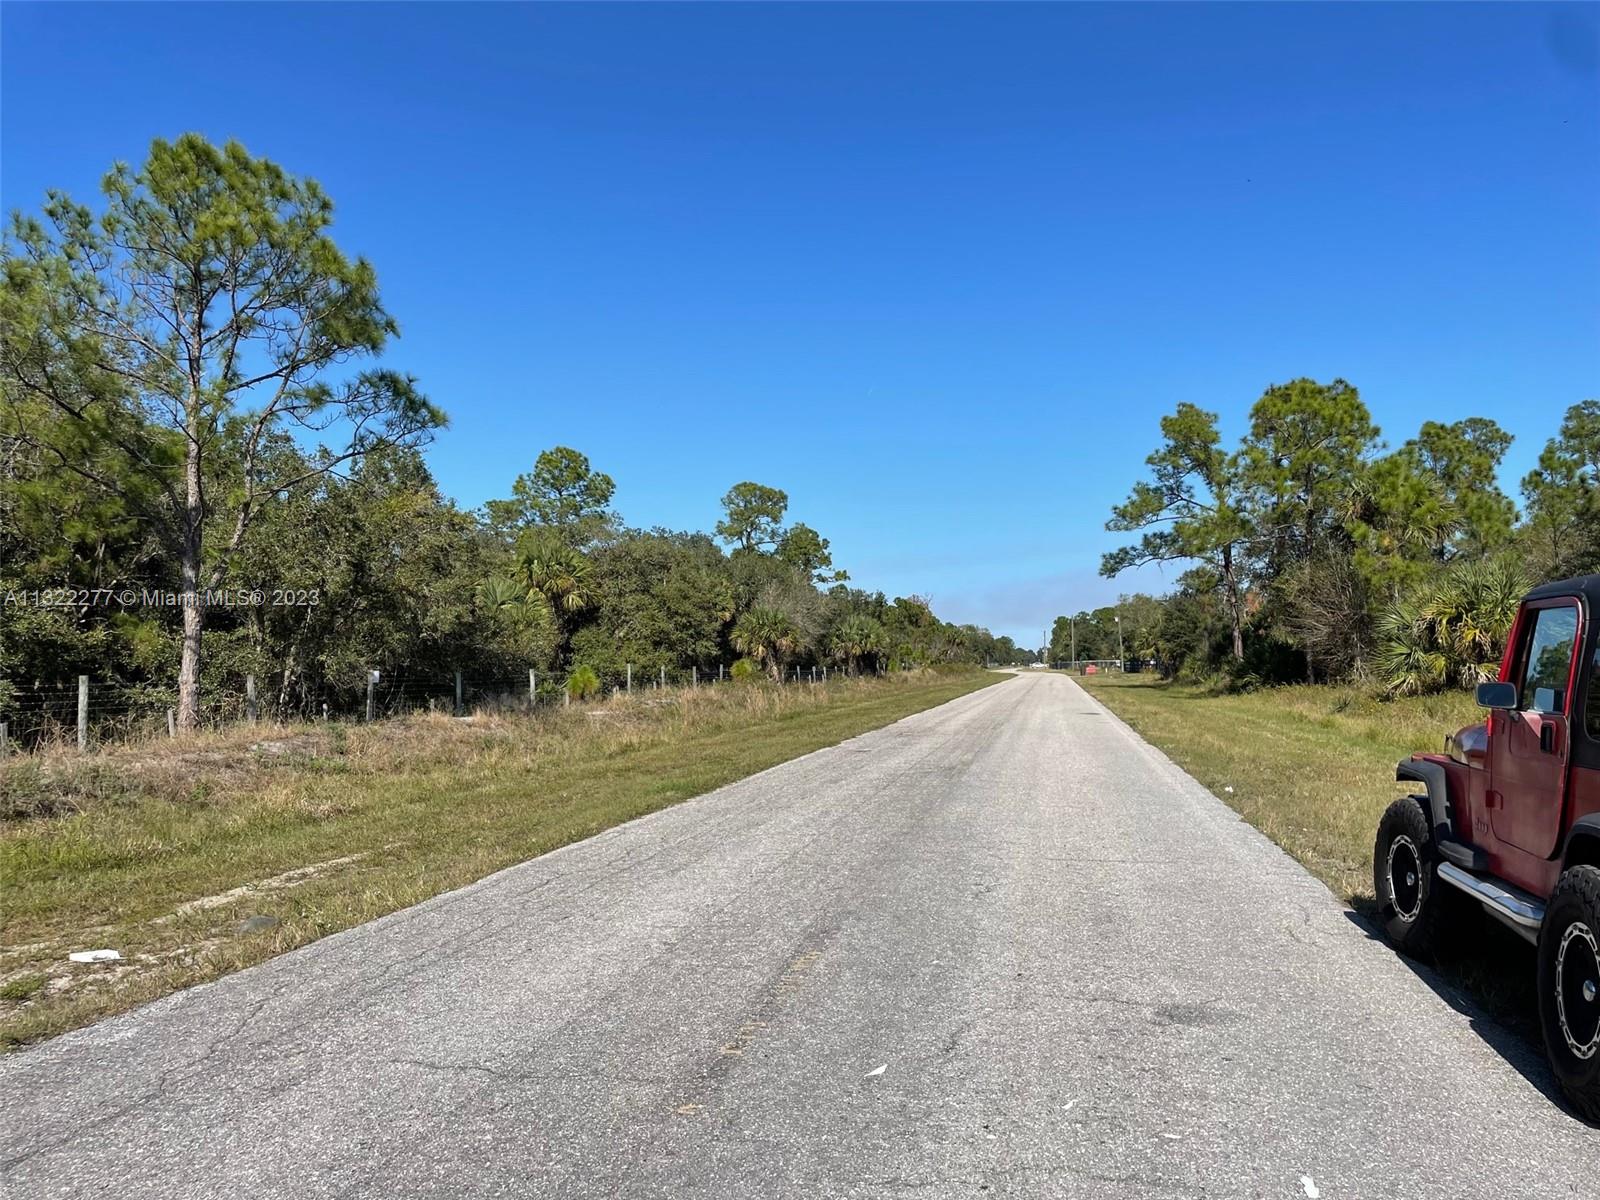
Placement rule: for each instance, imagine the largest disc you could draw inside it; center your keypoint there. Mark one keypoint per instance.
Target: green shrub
(745, 670)
(583, 683)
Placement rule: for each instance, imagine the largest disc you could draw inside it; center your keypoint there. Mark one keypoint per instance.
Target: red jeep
(1511, 818)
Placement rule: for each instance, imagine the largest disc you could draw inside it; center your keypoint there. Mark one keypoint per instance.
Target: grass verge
(197, 858)
(1312, 767)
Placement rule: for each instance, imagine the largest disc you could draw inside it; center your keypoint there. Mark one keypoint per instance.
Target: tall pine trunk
(189, 566)
(1230, 588)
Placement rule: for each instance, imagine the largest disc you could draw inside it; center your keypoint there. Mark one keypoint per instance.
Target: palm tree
(550, 567)
(1476, 607)
(767, 636)
(1452, 633)
(857, 637)
(548, 582)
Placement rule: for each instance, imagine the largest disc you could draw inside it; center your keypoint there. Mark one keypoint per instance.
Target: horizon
(891, 259)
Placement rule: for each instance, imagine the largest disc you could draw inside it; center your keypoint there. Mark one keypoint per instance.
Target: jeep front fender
(1432, 776)
(1441, 813)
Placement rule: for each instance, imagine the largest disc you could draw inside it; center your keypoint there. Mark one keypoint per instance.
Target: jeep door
(1529, 747)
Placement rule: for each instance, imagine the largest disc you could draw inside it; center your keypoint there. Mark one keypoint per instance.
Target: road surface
(1001, 948)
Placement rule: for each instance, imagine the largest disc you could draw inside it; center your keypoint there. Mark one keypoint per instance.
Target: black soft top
(1587, 586)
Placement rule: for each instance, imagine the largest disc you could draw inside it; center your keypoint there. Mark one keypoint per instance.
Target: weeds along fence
(89, 712)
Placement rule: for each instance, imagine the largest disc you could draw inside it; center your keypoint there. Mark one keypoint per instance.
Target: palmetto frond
(767, 636)
(501, 594)
(1453, 632)
(857, 637)
(555, 570)
(497, 593)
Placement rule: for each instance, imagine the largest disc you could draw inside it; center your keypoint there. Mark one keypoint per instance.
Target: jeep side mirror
(1497, 695)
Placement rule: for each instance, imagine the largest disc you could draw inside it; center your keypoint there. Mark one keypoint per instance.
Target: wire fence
(90, 712)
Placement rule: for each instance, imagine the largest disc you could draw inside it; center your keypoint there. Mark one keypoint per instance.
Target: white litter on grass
(873, 1074)
(1310, 1187)
(94, 956)
(1229, 789)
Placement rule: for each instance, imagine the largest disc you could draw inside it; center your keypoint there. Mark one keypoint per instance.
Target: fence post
(630, 678)
(458, 693)
(172, 723)
(694, 676)
(372, 685)
(5, 741)
(533, 687)
(813, 674)
(250, 698)
(719, 672)
(663, 678)
(83, 712)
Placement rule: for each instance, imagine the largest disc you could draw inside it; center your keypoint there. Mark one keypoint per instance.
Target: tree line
(190, 401)
(1312, 551)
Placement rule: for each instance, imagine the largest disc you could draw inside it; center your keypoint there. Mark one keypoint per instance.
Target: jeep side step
(1522, 912)
(1468, 858)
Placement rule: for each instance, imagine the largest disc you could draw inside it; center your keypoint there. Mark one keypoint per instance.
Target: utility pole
(1072, 624)
(1122, 658)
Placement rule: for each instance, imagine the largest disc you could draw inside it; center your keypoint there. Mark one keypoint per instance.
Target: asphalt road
(1000, 948)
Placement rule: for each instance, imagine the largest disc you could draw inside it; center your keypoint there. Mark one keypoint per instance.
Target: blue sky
(935, 271)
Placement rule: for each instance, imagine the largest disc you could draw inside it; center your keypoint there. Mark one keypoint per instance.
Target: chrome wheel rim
(1578, 989)
(1405, 878)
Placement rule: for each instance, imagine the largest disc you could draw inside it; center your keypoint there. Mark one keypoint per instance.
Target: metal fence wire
(93, 712)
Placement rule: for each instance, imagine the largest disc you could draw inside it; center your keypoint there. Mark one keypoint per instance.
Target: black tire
(1569, 987)
(1412, 902)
